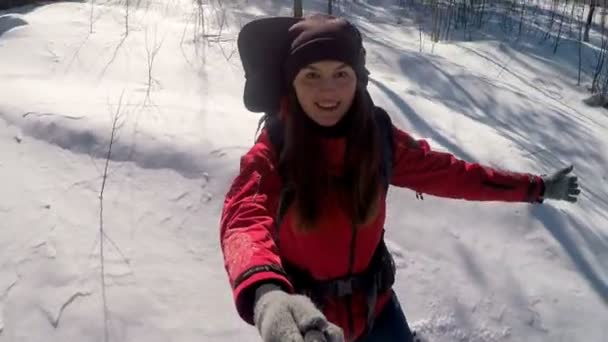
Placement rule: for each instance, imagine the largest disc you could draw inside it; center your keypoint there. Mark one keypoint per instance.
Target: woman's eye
(341, 74)
(312, 76)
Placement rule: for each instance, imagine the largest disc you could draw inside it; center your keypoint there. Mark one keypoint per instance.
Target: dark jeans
(390, 325)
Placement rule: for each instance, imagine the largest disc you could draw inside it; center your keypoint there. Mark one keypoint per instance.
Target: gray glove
(561, 186)
(283, 317)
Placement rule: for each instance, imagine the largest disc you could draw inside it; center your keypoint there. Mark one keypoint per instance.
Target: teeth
(327, 104)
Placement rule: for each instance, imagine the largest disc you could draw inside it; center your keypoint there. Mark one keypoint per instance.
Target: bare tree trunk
(435, 22)
(450, 16)
(420, 34)
(521, 18)
(554, 9)
(589, 19)
(603, 20)
(483, 9)
(571, 19)
(599, 66)
(297, 8)
(598, 86)
(512, 15)
(535, 12)
(506, 23)
(559, 32)
(200, 24)
(580, 43)
(329, 7)
(466, 18)
(127, 18)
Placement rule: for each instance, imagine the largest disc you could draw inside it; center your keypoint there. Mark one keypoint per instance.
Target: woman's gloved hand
(561, 186)
(284, 317)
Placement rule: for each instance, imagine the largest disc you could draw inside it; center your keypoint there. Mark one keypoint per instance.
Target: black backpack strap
(385, 125)
(378, 278)
(275, 128)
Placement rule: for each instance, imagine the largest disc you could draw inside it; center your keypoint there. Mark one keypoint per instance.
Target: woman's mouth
(328, 105)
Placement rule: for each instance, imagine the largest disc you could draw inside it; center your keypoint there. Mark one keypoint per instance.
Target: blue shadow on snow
(555, 223)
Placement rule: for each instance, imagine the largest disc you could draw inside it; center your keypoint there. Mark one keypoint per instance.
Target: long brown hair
(305, 162)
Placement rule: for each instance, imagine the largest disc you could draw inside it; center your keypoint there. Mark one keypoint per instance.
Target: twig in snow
(52, 53)
(200, 20)
(221, 21)
(151, 53)
(181, 44)
(55, 320)
(77, 52)
(122, 41)
(420, 29)
(102, 234)
(229, 57)
(9, 288)
(122, 255)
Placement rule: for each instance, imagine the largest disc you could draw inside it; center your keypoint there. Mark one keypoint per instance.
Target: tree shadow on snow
(25, 6)
(561, 226)
(10, 10)
(17, 6)
(507, 109)
(497, 292)
(9, 22)
(473, 268)
(551, 140)
(67, 132)
(420, 125)
(508, 285)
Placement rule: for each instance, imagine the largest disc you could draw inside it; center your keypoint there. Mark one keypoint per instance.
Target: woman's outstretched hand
(561, 185)
(284, 317)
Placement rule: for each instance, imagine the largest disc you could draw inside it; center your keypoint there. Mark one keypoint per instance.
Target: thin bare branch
(102, 233)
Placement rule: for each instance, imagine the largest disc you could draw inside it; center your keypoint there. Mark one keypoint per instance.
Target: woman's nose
(328, 85)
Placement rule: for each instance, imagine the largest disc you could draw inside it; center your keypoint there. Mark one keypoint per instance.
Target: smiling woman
(326, 90)
(310, 198)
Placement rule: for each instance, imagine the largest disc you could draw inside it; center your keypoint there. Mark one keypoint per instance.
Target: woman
(302, 225)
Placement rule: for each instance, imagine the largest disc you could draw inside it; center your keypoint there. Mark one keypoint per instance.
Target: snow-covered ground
(475, 272)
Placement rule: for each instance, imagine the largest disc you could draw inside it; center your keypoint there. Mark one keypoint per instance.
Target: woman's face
(326, 91)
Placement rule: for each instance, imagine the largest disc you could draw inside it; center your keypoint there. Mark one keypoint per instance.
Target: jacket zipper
(348, 299)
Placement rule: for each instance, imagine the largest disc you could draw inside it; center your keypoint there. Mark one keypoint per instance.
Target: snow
(474, 272)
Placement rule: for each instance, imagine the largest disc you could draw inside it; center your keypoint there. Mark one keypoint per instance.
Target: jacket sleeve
(418, 167)
(250, 254)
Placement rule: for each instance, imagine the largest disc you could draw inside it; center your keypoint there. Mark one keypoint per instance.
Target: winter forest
(122, 127)
(546, 22)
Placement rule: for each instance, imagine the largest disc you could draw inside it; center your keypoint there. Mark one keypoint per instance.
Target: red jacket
(251, 256)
